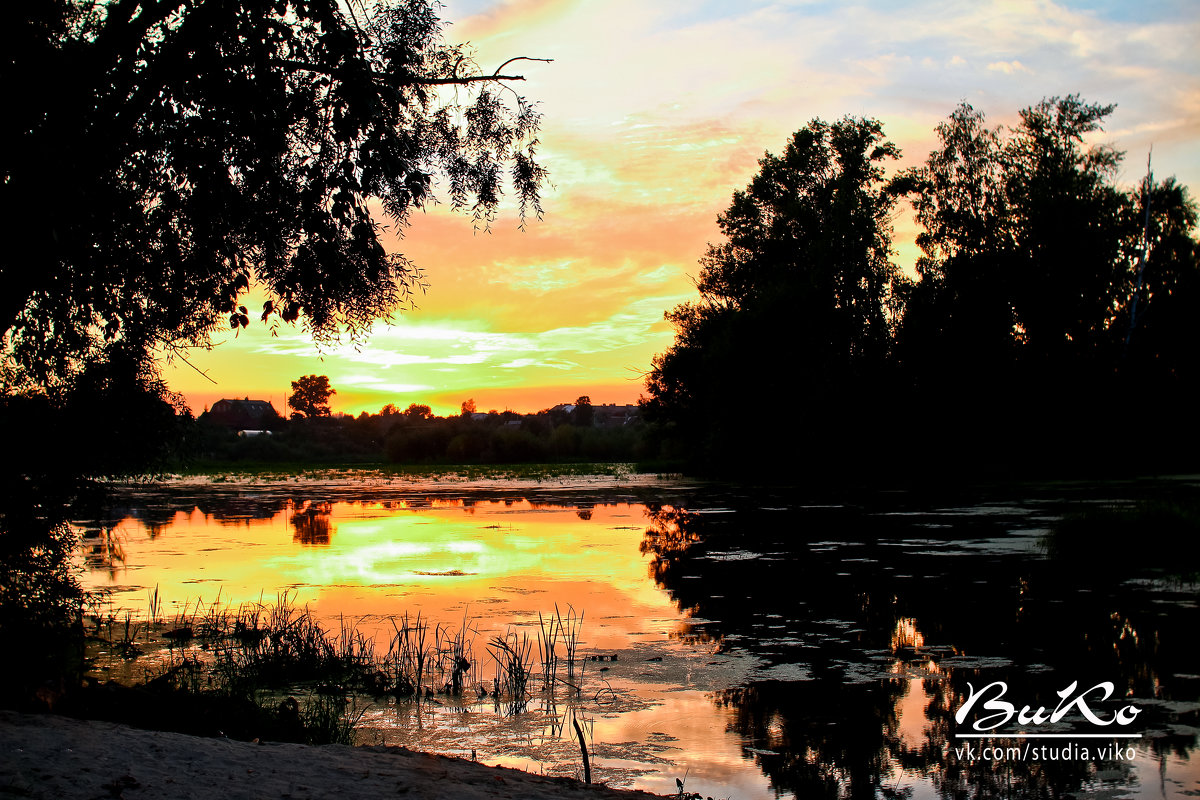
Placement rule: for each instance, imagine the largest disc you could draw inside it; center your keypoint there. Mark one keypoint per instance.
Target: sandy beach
(46, 756)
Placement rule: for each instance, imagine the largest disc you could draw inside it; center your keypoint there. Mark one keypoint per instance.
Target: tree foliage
(1032, 254)
(310, 397)
(1050, 305)
(798, 300)
(165, 156)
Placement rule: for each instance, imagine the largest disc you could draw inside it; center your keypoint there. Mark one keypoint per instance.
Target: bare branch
(520, 58)
(415, 81)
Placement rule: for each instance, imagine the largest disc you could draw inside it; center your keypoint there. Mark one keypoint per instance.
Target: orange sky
(654, 114)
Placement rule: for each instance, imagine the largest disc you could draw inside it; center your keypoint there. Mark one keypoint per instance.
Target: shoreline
(49, 756)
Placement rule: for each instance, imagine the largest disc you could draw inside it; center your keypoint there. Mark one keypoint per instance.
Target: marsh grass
(303, 679)
(551, 631)
(407, 654)
(1156, 534)
(514, 658)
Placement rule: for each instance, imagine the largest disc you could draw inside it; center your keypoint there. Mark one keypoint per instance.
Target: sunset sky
(655, 112)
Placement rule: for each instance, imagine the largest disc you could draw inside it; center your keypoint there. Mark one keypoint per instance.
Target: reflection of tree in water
(850, 596)
(312, 523)
(671, 534)
(819, 738)
(158, 513)
(242, 508)
(102, 549)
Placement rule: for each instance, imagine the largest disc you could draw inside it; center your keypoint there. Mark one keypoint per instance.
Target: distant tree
(389, 410)
(468, 407)
(418, 412)
(583, 415)
(1023, 242)
(310, 397)
(1032, 254)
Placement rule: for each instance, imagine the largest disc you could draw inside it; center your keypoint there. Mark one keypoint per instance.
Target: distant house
(243, 415)
(607, 415)
(610, 415)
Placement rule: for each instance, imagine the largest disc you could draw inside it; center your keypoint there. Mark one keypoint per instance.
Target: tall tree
(1022, 243)
(960, 310)
(164, 156)
(802, 288)
(1038, 273)
(310, 396)
(1066, 223)
(1161, 299)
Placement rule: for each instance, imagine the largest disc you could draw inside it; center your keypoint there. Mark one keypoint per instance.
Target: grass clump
(514, 662)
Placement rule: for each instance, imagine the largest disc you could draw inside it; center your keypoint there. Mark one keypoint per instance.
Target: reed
(407, 655)
(250, 654)
(570, 628)
(548, 631)
(454, 655)
(152, 605)
(514, 658)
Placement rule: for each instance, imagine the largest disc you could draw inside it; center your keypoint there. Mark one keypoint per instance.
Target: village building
(243, 415)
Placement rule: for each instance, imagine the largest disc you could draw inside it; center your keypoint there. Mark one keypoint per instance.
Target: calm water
(751, 645)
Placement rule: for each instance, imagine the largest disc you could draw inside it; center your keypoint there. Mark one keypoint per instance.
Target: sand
(46, 756)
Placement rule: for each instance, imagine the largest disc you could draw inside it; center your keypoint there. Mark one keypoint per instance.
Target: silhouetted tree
(1065, 225)
(310, 397)
(960, 311)
(797, 302)
(1022, 327)
(583, 415)
(195, 149)
(416, 412)
(203, 147)
(1162, 299)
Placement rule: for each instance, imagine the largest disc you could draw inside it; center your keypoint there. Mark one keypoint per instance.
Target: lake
(746, 643)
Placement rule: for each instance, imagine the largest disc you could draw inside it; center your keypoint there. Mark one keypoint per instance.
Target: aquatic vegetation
(583, 750)
(1161, 534)
(404, 664)
(550, 631)
(453, 649)
(306, 681)
(514, 657)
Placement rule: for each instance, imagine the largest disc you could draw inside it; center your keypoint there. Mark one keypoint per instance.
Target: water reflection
(891, 614)
(763, 647)
(313, 523)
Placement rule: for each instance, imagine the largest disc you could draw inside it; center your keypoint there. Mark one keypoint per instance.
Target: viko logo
(991, 698)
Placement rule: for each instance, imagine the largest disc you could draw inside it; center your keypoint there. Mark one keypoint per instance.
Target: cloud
(1008, 67)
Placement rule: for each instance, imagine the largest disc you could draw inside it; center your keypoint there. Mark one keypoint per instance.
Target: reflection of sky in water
(656, 713)
(500, 563)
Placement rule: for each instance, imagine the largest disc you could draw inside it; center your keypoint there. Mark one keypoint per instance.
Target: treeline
(417, 436)
(1052, 326)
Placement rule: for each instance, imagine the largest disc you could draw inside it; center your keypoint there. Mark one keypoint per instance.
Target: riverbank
(47, 756)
